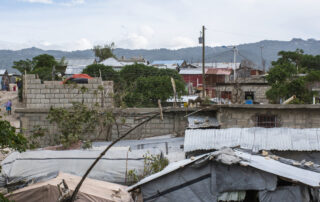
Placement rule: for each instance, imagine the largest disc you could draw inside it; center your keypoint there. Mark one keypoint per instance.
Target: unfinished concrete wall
(258, 90)
(39, 95)
(174, 122)
(292, 116)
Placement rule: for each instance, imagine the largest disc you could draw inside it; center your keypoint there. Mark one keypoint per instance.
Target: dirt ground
(13, 118)
(4, 97)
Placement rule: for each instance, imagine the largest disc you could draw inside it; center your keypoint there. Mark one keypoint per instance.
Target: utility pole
(203, 63)
(262, 61)
(234, 63)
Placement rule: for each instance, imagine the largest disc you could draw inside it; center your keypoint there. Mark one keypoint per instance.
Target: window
(266, 121)
(249, 95)
(226, 95)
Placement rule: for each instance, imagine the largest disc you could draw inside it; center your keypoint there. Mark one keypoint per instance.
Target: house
(193, 78)
(169, 64)
(215, 76)
(131, 61)
(76, 66)
(113, 62)
(118, 64)
(232, 175)
(216, 65)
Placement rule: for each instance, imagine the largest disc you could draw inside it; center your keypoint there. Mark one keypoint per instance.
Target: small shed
(232, 175)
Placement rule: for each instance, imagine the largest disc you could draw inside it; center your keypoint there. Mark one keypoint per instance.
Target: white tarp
(34, 165)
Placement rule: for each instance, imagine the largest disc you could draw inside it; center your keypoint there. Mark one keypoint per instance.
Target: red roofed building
(216, 76)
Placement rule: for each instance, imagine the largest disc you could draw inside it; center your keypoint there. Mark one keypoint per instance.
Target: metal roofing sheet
(269, 165)
(202, 121)
(218, 65)
(80, 62)
(112, 62)
(191, 71)
(281, 139)
(167, 62)
(280, 169)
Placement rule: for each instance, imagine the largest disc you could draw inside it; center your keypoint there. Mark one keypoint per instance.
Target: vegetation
(9, 138)
(139, 85)
(291, 74)
(103, 52)
(42, 65)
(74, 123)
(152, 164)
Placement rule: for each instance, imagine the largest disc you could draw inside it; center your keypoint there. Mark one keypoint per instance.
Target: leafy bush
(152, 165)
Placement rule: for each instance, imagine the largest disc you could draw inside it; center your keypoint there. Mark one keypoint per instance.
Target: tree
(290, 76)
(103, 52)
(9, 138)
(42, 65)
(23, 66)
(107, 73)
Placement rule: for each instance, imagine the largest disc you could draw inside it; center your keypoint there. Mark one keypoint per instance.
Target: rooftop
(281, 139)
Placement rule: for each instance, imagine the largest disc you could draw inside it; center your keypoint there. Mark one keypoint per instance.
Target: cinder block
(40, 96)
(63, 91)
(49, 95)
(64, 101)
(54, 101)
(30, 76)
(35, 101)
(59, 95)
(54, 90)
(73, 91)
(45, 101)
(35, 91)
(43, 91)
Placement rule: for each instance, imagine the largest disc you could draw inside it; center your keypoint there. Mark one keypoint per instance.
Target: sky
(151, 24)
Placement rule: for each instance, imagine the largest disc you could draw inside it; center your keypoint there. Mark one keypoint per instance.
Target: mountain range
(268, 49)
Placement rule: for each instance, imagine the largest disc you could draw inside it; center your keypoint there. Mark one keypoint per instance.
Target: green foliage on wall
(291, 74)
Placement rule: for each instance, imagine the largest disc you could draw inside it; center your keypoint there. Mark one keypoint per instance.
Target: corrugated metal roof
(76, 66)
(80, 62)
(167, 62)
(269, 165)
(112, 62)
(191, 71)
(202, 121)
(282, 139)
(218, 65)
(219, 71)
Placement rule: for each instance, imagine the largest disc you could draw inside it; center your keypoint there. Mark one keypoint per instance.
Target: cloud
(39, 1)
(58, 2)
(72, 2)
(80, 44)
(181, 42)
(134, 41)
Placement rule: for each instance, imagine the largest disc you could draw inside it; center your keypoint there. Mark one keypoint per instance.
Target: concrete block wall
(48, 94)
(291, 116)
(173, 123)
(259, 91)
